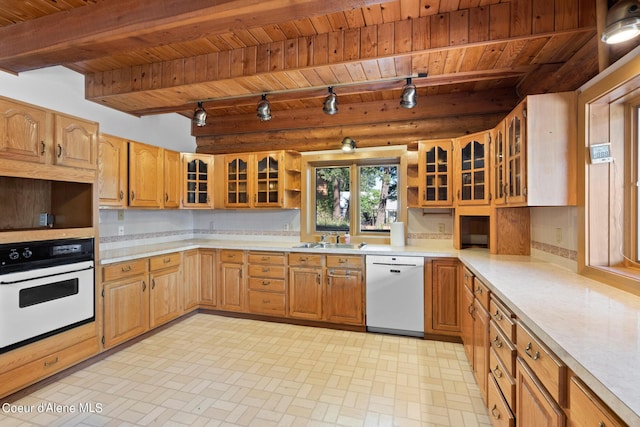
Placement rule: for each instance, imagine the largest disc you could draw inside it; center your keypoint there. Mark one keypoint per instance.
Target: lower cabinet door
(534, 405)
(305, 293)
(345, 295)
(126, 310)
(165, 301)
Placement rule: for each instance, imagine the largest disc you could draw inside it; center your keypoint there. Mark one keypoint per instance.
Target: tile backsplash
(553, 229)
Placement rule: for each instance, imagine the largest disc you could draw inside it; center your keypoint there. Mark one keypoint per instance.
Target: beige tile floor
(216, 371)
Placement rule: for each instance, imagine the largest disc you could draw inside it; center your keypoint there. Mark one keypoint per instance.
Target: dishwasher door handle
(387, 264)
(393, 270)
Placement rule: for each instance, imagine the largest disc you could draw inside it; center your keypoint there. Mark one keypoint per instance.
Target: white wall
(61, 89)
(554, 235)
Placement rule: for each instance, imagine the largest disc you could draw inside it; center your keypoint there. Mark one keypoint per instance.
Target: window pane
(332, 198)
(378, 197)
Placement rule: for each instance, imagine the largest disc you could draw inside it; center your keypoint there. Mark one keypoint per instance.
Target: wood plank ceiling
(480, 57)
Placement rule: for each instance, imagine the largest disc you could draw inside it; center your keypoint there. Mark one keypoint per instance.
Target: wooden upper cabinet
(237, 193)
(24, 132)
(145, 175)
(472, 169)
(262, 180)
(435, 168)
(197, 175)
(112, 171)
(537, 152)
(172, 182)
(76, 142)
(32, 134)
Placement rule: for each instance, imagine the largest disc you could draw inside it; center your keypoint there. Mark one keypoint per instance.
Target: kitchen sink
(324, 245)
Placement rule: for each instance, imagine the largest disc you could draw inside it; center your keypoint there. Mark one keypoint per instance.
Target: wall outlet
(121, 230)
(43, 220)
(558, 235)
(212, 226)
(120, 214)
(441, 227)
(285, 227)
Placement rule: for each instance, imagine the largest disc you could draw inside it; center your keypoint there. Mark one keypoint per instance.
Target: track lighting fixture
(409, 97)
(330, 105)
(348, 144)
(623, 22)
(200, 116)
(264, 109)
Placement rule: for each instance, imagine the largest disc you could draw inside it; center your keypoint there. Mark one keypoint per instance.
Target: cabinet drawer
(585, 408)
(503, 347)
(124, 269)
(481, 292)
(504, 319)
(15, 379)
(231, 256)
(499, 412)
(305, 259)
(274, 258)
(266, 284)
(275, 271)
(467, 278)
(344, 261)
(164, 261)
(506, 381)
(550, 371)
(267, 303)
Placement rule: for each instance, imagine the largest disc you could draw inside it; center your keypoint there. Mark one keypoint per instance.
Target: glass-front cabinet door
(516, 183)
(473, 169)
(435, 171)
(237, 178)
(198, 174)
(267, 180)
(499, 164)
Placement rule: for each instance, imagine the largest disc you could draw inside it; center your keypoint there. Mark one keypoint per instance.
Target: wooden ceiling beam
(115, 26)
(370, 135)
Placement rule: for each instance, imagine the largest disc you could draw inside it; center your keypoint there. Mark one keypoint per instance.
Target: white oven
(45, 288)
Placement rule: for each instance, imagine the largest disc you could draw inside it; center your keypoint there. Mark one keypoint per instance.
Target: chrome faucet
(323, 238)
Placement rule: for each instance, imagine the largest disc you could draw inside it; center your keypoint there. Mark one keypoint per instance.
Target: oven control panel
(30, 255)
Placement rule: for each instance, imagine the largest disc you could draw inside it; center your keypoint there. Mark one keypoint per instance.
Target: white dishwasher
(395, 295)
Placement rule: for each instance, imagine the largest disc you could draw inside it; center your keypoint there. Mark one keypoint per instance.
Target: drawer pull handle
(601, 424)
(498, 316)
(497, 372)
(497, 342)
(495, 412)
(342, 260)
(126, 268)
(266, 301)
(166, 260)
(265, 258)
(52, 362)
(479, 291)
(304, 259)
(534, 356)
(266, 269)
(266, 283)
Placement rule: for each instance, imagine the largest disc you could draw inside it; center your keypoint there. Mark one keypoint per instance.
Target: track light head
(348, 145)
(200, 116)
(409, 97)
(264, 109)
(330, 105)
(623, 22)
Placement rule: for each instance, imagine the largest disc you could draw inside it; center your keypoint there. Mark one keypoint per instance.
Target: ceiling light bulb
(348, 144)
(623, 22)
(330, 105)
(200, 116)
(409, 97)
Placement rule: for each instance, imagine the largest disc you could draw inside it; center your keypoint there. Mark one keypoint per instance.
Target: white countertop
(592, 327)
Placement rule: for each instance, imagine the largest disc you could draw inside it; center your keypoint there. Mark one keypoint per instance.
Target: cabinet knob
(497, 316)
(44, 147)
(495, 412)
(144, 286)
(59, 150)
(153, 283)
(497, 372)
(497, 342)
(121, 194)
(133, 195)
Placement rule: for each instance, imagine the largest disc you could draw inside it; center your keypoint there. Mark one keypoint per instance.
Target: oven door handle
(44, 277)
